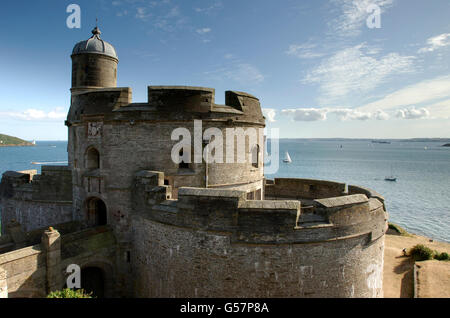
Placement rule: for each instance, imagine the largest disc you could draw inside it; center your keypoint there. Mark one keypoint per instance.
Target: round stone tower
(94, 64)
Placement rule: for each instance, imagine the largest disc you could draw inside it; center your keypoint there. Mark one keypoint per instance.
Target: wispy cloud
(243, 73)
(33, 114)
(355, 70)
(203, 30)
(216, 5)
(162, 15)
(353, 15)
(142, 13)
(304, 51)
(343, 114)
(436, 42)
(425, 92)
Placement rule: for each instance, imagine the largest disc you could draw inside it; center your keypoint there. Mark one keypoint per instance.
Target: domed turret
(94, 64)
(95, 45)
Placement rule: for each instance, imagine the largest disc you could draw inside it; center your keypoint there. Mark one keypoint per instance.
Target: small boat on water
(287, 158)
(391, 177)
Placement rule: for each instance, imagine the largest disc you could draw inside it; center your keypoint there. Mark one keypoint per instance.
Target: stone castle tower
(140, 224)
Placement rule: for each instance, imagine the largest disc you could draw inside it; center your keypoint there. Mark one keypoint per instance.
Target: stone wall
(215, 243)
(303, 188)
(25, 271)
(44, 200)
(35, 271)
(133, 137)
(93, 70)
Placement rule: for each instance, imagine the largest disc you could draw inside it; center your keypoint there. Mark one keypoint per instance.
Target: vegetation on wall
(70, 293)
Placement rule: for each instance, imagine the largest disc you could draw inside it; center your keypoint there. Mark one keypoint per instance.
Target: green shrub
(421, 253)
(442, 256)
(70, 293)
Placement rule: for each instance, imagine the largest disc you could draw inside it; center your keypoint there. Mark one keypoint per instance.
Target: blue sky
(317, 67)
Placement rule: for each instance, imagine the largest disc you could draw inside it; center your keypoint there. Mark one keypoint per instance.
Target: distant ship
(287, 158)
(33, 142)
(380, 142)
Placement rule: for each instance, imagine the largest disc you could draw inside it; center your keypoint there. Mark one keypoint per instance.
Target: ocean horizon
(418, 200)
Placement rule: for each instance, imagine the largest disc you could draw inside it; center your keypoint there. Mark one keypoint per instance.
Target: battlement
(36, 200)
(175, 100)
(280, 220)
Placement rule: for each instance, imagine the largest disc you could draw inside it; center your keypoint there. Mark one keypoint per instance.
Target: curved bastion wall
(216, 243)
(129, 137)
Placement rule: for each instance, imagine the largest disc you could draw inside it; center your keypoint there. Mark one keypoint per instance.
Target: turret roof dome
(95, 45)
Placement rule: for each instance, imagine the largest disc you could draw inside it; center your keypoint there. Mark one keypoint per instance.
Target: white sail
(287, 158)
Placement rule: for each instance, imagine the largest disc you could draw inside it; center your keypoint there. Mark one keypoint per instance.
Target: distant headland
(9, 141)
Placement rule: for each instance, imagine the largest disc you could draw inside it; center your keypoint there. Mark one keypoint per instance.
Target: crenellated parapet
(165, 103)
(36, 200)
(273, 221)
(259, 248)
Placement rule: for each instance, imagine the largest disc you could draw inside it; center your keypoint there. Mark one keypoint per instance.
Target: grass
(401, 231)
(14, 141)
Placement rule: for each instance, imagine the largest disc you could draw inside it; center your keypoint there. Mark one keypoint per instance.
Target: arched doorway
(93, 281)
(96, 212)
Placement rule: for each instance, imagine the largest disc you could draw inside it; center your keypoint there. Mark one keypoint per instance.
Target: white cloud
(423, 92)
(356, 70)
(350, 114)
(436, 42)
(320, 114)
(306, 114)
(413, 113)
(380, 115)
(269, 113)
(203, 30)
(304, 51)
(32, 114)
(353, 15)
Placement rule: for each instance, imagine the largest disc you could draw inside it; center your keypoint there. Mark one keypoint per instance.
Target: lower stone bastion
(308, 238)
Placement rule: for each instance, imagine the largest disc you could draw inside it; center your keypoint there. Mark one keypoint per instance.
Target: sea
(419, 200)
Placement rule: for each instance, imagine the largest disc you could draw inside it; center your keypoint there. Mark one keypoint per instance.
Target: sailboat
(391, 177)
(287, 158)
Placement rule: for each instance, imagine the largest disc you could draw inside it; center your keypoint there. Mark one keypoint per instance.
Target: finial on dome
(96, 31)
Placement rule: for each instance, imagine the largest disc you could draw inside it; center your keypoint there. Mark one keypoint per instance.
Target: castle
(140, 225)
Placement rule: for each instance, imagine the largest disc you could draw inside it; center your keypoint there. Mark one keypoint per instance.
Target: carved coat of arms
(94, 129)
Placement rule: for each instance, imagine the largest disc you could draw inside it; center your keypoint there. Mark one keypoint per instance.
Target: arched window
(255, 156)
(96, 212)
(92, 159)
